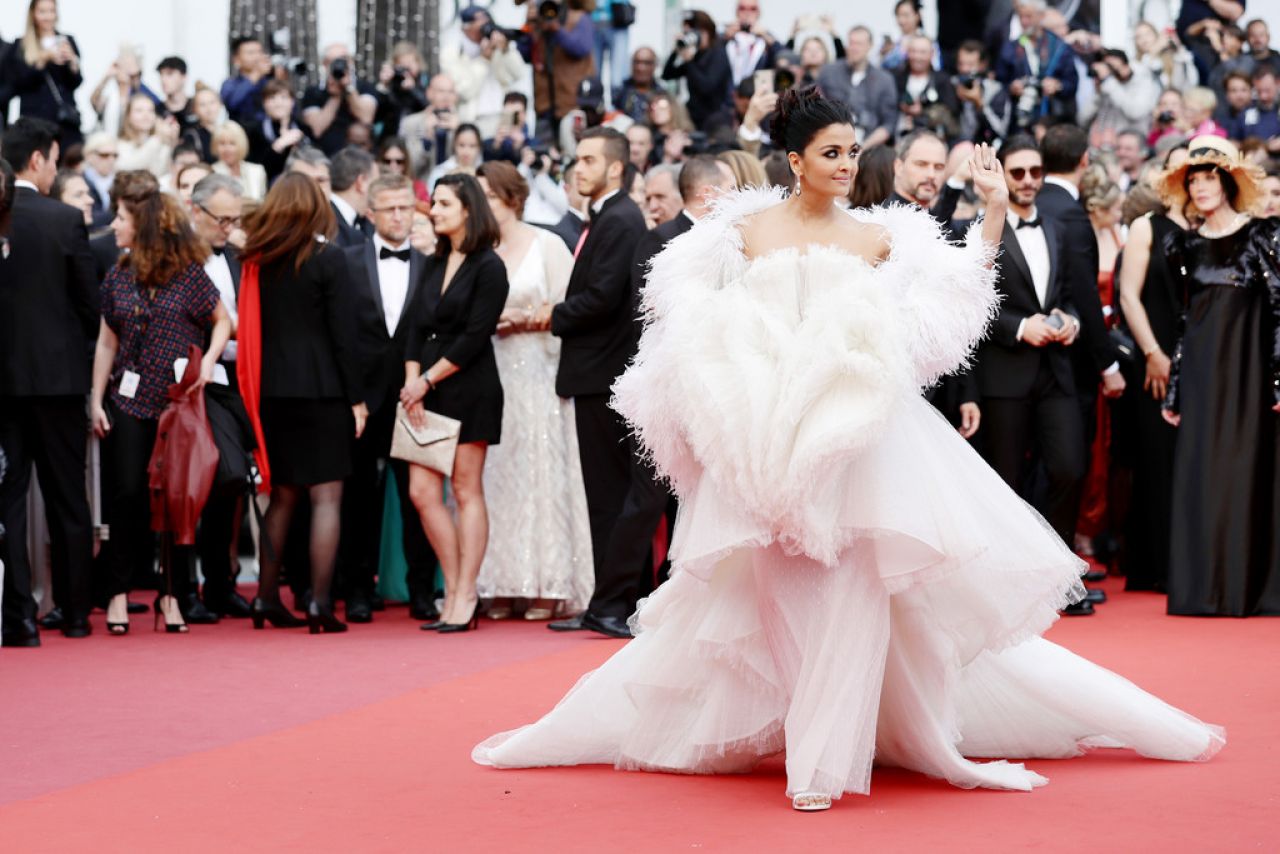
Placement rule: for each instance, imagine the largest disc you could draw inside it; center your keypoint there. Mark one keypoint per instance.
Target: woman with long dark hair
(1224, 390)
(300, 376)
(157, 301)
(851, 581)
(699, 57)
(450, 369)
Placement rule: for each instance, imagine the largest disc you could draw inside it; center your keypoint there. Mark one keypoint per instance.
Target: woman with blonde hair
(231, 147)
(748, 170)
(146, 141)
(46, 72)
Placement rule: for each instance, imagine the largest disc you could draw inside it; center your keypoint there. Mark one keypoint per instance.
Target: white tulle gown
(852, 583)
(539, 532)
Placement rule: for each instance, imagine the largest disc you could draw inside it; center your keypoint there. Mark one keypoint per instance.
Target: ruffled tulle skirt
(918, 646)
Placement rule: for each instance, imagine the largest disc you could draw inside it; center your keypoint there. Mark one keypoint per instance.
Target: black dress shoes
(25, 633)
(1083, 608)
(51, 620)
(569, 624)
(194, 611)
(1095, 575)
(614, 627)
(77, 627)
(359, 608)
(1095, 597)
(422, 608)
(377, 603)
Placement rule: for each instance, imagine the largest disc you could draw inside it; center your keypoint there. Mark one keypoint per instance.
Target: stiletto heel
(170, 628)
(472, 623)
(275, 613)
(323, 620)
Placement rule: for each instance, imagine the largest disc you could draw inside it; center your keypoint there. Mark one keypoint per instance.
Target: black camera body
(964, 81)
(690, 39)
(339, 68)
(1166, 118)
(549, 10)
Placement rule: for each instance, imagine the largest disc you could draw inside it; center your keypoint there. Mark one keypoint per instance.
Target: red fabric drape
(249, 363)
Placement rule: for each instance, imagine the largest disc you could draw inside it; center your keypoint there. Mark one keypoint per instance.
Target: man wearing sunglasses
(1029, 409)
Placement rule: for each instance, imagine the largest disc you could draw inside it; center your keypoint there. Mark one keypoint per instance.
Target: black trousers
(1046, 424)
(362, 507)
(218, 524)
(52, 434)
(629, 554)
(606, 459)
(126, 451)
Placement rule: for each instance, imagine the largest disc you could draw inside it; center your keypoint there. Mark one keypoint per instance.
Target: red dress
(1093, 518)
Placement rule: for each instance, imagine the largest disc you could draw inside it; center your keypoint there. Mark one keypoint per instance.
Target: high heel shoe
(811, 801)
(178, 628)
(274, 613)
(118, 628)
(473, 622)
(322, 619)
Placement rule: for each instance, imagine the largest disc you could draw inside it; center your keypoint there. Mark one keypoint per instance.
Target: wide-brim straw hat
(1222, 153)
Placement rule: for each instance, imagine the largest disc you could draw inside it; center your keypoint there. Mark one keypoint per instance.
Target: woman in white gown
(851, 580)
(540, 538)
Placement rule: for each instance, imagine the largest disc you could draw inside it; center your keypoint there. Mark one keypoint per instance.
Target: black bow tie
(1029, 223)
(384, 253)
(218, 250)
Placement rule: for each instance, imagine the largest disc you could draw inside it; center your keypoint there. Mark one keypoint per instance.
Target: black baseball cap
(176, 63)
(591, 94)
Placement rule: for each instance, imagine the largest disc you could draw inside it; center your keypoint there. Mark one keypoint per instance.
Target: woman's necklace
(1231, 228)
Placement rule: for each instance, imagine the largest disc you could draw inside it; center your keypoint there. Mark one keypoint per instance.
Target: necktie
(384, 253)
(581, 240)
(1029, 223)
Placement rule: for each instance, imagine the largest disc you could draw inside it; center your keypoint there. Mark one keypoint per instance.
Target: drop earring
(799, 184)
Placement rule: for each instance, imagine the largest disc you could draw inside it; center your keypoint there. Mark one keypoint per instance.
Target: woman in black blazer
(450, 370)
(45, 72)
(301, 381)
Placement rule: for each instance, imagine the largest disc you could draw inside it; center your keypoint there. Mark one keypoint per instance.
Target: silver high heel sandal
(810, 802)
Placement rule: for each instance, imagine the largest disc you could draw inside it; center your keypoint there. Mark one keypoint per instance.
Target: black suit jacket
(48, 300)
(943, 210)
(595, 320)
(651, 243)
(310, 346)
(939, 91)
(1093, 353)
(105, 253)
(1005, 366)
(383, 354)
(351, 235)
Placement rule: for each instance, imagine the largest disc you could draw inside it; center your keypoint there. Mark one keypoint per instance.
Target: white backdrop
(196, 30)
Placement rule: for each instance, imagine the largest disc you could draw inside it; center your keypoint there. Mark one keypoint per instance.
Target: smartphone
(1055, 320)
(763, 80)
(511, 118)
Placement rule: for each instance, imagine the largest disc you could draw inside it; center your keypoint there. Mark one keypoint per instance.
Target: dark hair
(6, 195)
(466, 127)
(1139, 136)
(506, 182)
(347, 166)
(1238, 74)
(973, 46)
(482, 228)
(699, 171)
(1184, 145)
(914, 4)
(275, 87)
(25, 137)
(516, 98)
(801, 114)
(1062, 148)
(240, 41)
(184, 148)
(391, 142)
(1261, 70)
(71, 156)
(905, 144)
(60, 182)
(173, 63)
(874, 182)
(164, 242)
(285, 228)
(616, 147)
(778, 171)
(135, 183)
(1229, 186)
(1115, 53)
(699, 20)
(1021, 142)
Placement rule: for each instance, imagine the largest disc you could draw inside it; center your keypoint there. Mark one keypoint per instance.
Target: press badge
(129, 384)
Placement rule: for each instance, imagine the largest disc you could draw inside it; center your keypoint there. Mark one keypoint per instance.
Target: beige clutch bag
(433, 446)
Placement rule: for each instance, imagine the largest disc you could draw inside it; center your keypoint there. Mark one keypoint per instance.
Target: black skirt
(308, 441)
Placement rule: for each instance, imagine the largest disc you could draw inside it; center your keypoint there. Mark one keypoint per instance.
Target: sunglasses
(393, 161)
(1018, 173)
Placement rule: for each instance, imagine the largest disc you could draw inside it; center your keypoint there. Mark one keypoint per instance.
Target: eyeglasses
(395, 209)
(1018, 173)
(224, 222)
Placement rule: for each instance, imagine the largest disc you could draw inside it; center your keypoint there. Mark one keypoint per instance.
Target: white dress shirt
(393, 283)
(344, 208)
(1064, 184)
(596, 206)
(1035, 248)
(218, 270)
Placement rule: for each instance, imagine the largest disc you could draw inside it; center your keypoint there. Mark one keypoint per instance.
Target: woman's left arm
(217, 342)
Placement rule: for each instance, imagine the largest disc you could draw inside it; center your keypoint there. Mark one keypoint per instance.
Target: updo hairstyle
(801, 114)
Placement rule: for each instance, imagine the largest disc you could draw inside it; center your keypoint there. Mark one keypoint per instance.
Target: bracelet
(430, 385)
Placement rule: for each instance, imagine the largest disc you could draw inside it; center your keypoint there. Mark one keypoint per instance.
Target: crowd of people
(364, 257)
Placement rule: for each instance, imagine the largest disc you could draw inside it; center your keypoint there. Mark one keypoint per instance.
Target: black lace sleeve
(1174, 249)
(1267, 240)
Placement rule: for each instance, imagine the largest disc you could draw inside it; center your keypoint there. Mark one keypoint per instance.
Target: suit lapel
(233, 264)
(417, 261)
(1013, 250)
(1050, 235)
(371, 270)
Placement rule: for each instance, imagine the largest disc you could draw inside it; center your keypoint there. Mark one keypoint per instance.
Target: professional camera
(690, 39)
(490, 28)
(339, 68)
(964, 81)
(783, 79)
(1166, 118)
(540, 151)
(549, 10)
(282, 56)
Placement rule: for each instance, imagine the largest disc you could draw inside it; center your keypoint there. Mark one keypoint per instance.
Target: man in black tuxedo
(595, 325)
(570, 226)
(48, 316)
(385, 272)
(1065, 149)
(702, 180)
(1023, 367)
(351, 172)
(216, 207)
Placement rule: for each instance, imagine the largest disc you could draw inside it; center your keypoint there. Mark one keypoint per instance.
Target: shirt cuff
(748, 135)
(1114, 367)
(955, 184)
(1021, 325)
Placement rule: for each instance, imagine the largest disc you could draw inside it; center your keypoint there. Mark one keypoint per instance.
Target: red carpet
(278, 741)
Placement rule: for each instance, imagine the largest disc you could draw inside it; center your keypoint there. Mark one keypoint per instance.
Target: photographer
(700, 58)
(242, 94)
(484, 64)
(985, 108)
(429, 133)
(926, 98)
(400, 89)
(560, 52)
(343, 101)
(1038, 68)
(1124, 99)
(273, 139)
(512, 132)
